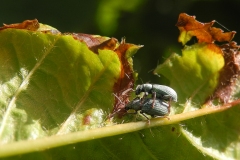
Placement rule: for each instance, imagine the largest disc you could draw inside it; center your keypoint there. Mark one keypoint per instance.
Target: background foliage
(147, 22)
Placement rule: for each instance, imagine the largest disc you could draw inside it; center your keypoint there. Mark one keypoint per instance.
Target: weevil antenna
(141, 80)
(117, 97)
(127, 90)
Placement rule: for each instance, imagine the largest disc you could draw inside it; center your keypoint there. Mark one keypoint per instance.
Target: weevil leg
(148, 120)
(143, 97)
(144, 115)
(169, 104)
(154, 98)
(163, 117)
(166, 117)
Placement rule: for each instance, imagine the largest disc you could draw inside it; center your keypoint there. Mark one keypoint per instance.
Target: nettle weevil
(149, 106)
(158, 91)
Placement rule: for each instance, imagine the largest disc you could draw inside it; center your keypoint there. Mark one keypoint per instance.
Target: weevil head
(127, 108)
(138, 89)
(130, 105)
(135, 104)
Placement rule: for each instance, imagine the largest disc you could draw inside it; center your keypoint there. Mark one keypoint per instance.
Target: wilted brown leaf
(96, 42)
(125, 82)
(203, 31)
(229, 73)
(32, 25)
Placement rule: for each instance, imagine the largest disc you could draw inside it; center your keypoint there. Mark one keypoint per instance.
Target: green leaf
(53, 84)
(194, 74)
(47, 80)
(195, 77)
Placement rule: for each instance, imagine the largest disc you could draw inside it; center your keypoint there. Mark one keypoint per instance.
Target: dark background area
(147, 22)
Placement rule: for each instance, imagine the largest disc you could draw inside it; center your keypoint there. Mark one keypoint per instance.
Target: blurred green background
(147, 22)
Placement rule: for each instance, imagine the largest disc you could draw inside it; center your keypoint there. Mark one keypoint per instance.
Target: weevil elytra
(149, 106)
(158, 91)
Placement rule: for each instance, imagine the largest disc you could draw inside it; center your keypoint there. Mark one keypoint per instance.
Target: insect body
(149, 106)
(158, 91)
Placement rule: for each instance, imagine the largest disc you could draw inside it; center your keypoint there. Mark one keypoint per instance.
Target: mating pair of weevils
(158, 105)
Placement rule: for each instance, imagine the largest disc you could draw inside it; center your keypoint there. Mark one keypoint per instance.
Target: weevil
(149, 106)
(158, 91)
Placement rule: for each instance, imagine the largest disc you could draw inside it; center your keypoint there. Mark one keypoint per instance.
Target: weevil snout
(127, 108)
(138, 89)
